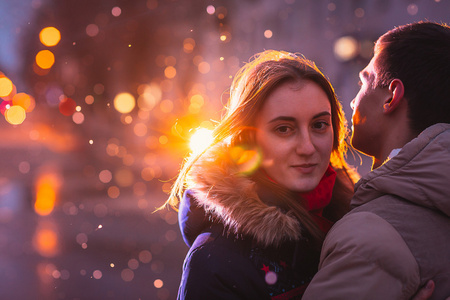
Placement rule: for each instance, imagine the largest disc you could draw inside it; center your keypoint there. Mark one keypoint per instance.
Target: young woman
(256, 204)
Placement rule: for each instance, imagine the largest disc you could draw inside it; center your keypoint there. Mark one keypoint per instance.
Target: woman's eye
(321, 125)
(283, 129)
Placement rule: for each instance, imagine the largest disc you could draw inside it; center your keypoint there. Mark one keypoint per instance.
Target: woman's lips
(305, 168)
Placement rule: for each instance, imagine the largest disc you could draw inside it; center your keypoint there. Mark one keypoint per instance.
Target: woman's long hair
(249, 90)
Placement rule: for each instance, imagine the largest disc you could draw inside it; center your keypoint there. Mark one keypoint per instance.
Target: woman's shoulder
(218, 240)
(218, 264)
(192, 218)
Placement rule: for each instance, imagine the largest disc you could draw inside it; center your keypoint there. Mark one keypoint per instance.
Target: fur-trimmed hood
(218, 184)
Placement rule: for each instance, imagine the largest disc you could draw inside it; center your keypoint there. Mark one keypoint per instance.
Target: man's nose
(352, 104)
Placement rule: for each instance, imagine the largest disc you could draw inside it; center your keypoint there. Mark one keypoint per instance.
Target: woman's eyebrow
(292, 119)
(283, 118)
(324, 113)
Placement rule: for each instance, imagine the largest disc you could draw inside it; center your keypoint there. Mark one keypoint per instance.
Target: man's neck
(376, 162)
(397, 142)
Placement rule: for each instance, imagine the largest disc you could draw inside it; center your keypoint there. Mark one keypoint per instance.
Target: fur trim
(230, 196)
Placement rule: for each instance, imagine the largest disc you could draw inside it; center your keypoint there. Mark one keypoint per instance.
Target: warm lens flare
(201, 139)
(247, 160)
(50, 36)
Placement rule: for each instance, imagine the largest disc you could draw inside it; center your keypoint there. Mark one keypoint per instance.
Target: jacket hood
(221, 188)
(419, 173)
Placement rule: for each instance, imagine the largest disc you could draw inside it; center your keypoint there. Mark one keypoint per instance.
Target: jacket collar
(419, 173)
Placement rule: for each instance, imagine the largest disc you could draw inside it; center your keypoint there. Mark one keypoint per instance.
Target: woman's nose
(305, 145)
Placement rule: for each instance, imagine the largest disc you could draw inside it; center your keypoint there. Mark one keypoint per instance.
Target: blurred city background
(99, 100)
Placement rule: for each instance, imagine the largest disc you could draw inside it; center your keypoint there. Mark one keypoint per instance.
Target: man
(397, 236)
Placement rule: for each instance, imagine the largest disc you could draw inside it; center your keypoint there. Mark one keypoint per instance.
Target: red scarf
(320, 197)
(317, 199)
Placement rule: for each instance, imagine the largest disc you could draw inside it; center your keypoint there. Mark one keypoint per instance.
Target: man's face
(367, 125)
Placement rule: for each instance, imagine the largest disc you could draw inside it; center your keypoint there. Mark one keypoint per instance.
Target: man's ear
(397, 90)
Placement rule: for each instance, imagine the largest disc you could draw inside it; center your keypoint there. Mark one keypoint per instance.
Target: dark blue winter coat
(224, 265)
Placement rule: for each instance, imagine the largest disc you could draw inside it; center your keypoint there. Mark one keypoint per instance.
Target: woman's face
(295, 134)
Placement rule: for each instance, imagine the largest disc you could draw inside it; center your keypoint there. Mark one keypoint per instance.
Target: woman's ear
(397, 90)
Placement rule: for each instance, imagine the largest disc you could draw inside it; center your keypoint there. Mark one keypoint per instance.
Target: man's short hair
(419, 55)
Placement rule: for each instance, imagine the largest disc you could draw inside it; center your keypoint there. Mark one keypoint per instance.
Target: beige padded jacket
(397, 236)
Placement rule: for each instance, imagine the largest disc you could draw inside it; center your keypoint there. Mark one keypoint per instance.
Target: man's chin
(356, 144)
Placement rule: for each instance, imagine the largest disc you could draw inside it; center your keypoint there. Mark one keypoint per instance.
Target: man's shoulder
(364, 257)
(363, 230)
(361, 253)
(367, 235)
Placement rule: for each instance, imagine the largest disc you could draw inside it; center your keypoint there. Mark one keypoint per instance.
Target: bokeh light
(127, 275)
(145, 256)
(92, 30)
(113, 192)
(163, 139)
(89, 99)
(346, 48)
(124, 177)
(45, 59)
(116, 11)
(105, 176)
(6, 86)
(24, 100)
(412, 9)
(271, 277)
(166, 106)
(15, 115)
(24, 167)
(158, 283)
(268, 34)
(204, 67)
(149, 96)
(133, 264)
(359, 12)
(47, 190)
(53, 95)
(124, 103)
(45, 240)
(210, 9)
(97, 274)
(50, 36)
(67, 106)
(170, 61)
(170, 72)
(221, 12)
(140, 129)
(78, 118)
(188, 45)
(147, 174)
